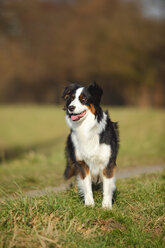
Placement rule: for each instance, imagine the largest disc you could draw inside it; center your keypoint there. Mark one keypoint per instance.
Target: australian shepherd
(92, 144)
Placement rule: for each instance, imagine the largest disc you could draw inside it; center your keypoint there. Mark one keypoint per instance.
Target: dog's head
(80, 100)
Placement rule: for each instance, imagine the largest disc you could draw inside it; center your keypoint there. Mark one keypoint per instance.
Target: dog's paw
(107, 204)
(89, 201)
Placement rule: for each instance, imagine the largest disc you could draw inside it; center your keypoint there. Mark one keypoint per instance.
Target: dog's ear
(66, 93)
(68, 90)
(96, 92)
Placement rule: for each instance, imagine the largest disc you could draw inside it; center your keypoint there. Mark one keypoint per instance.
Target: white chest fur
(87, 147)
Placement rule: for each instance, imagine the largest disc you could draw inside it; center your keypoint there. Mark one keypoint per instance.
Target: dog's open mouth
(76, 117)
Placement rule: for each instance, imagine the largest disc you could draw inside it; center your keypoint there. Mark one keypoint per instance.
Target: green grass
(32, 141)
(61, 220)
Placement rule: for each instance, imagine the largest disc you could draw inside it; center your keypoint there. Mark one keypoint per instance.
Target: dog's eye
(66, 96)
(82, 98)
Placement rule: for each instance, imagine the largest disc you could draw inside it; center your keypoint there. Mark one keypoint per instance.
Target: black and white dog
(92, 144)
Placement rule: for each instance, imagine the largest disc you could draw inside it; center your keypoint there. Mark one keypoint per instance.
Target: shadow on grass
(18, 151)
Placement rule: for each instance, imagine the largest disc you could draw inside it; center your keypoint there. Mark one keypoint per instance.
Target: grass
(32, 141)
(61, 220)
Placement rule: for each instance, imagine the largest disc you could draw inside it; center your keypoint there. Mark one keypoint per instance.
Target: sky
(152, 8)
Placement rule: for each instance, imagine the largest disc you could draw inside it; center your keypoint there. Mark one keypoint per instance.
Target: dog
(93, 142)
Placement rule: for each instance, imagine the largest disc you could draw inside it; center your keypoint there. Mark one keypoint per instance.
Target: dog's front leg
(108, 189)
(85, 188)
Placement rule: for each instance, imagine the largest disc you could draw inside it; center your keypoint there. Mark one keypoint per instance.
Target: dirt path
(122, 173)
(137, 171)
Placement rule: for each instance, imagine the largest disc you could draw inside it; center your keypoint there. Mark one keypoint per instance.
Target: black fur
(71, 160)
(110, 136)
(96, 93)
(73, 166)
(93, 93)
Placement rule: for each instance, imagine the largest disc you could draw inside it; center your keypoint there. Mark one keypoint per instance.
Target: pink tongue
(78, 116)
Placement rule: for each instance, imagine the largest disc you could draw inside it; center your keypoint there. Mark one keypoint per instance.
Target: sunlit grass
(62, 220)
(142, 134)
(32, 141)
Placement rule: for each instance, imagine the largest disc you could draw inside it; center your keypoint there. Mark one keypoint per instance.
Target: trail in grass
(122, 173)
(136, 171)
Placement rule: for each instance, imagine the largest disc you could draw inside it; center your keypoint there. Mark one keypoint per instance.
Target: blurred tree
(45, 44)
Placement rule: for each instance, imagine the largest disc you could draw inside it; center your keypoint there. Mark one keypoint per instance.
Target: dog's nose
(71, 108)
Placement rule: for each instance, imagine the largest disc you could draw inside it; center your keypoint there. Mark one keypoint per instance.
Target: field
(32, 141)
(137, 218)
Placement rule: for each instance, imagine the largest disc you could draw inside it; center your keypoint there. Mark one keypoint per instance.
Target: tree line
(45, 45)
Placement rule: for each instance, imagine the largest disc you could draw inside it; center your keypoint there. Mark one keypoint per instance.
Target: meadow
(32, 142)
(61, 220)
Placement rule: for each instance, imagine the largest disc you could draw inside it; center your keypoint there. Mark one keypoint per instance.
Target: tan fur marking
(81, 97)
(84, 169)
(72, 169)
(109, 172)
(91, 108)
(75, 188)
(67, 94)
